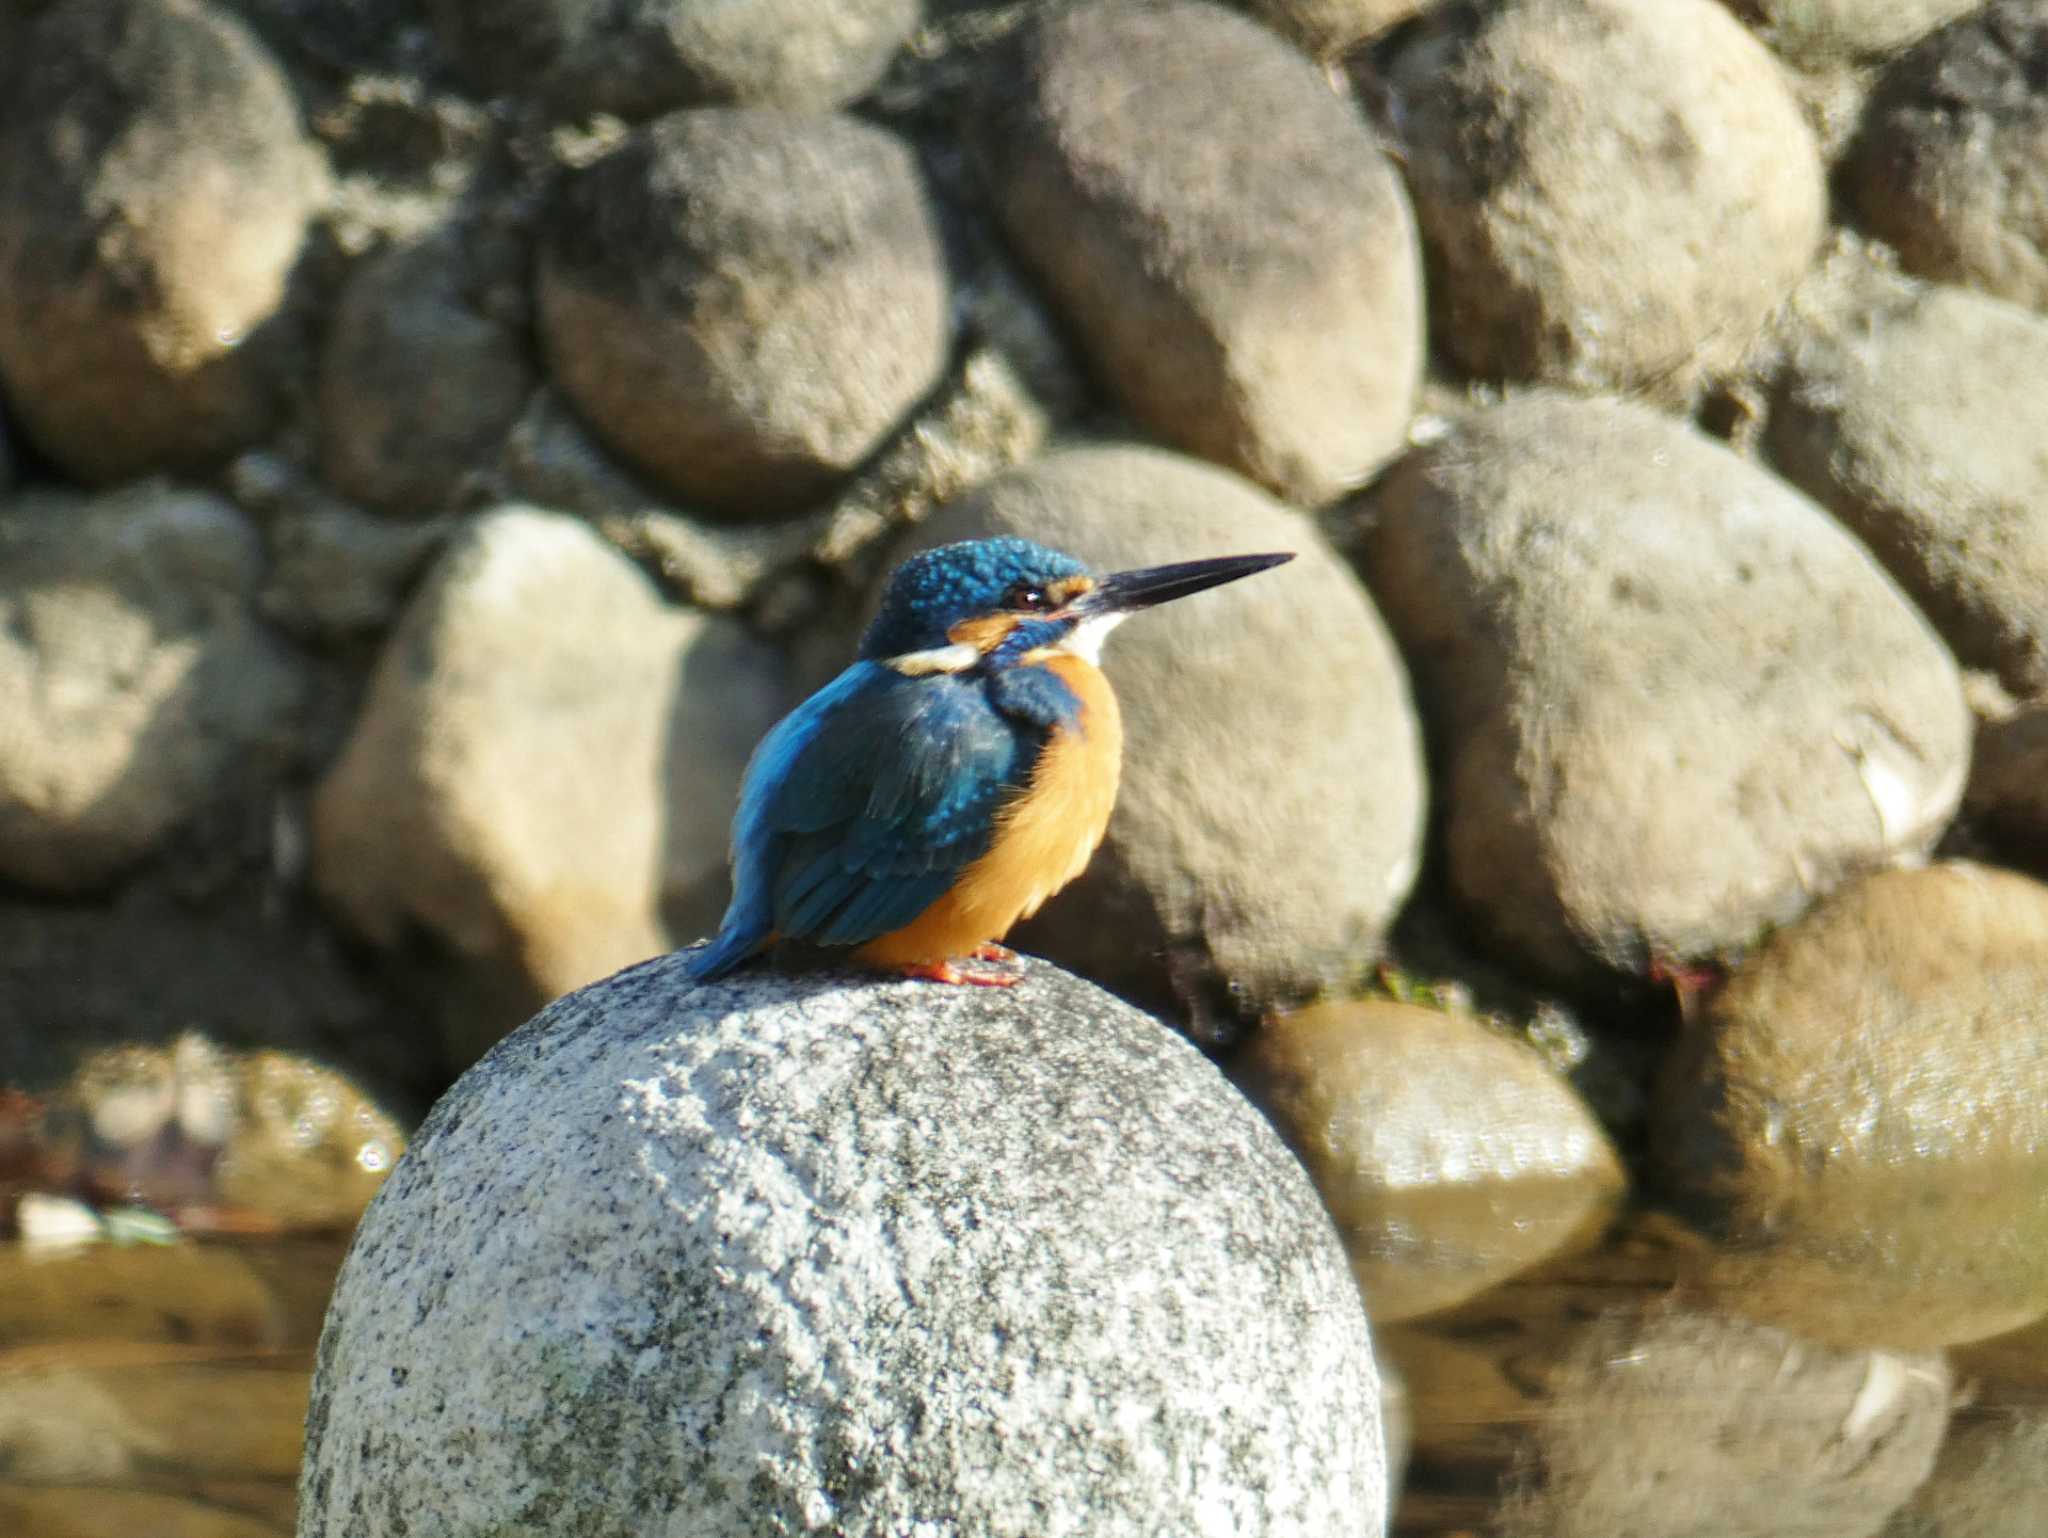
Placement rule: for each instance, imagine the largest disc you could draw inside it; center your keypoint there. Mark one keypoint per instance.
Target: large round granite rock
(829, 1254)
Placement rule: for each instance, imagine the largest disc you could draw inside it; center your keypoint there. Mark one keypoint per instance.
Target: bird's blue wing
(861, 808)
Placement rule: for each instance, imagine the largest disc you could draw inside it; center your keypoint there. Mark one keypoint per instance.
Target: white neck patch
(957, 658)
(1085, 640)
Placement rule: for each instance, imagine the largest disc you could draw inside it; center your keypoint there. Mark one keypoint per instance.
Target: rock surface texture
(1253, 298)
(823, 1255)
(547, 758)
(137, 687)
(1270, 819)
(1820, 33)
(1922, 423)
(1450, 1156)
(155, 188)
(1863, 1118)
(743, 302)
(1602, 609)
(417, 385)
(641, 57)
(1951, 165)
(1546, 260)
(1767, 1435)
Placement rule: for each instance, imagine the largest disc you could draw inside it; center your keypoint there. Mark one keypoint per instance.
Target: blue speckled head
(936, 589)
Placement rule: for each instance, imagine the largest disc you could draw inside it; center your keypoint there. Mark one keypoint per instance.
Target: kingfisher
(955, 776)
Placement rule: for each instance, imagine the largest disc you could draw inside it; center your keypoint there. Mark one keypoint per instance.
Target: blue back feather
(863, 806)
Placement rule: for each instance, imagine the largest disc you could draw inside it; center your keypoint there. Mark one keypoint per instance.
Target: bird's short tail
(738, 937)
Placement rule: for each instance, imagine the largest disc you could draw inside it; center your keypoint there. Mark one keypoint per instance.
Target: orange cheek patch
(1067, 589)
(984, 632)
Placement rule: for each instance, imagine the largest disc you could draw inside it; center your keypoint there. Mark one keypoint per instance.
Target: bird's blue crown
(936, 589)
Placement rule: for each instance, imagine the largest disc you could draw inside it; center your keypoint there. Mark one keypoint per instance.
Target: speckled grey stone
(823, 1254)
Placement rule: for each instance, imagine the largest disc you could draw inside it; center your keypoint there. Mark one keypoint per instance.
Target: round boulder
(636, 58)
(136, 687)
(1450, 1156)
(155, 186)
(1674, 699)
(1862, 1121)
(1327, 28)
(818, 1254)
(743, 302)
(1669, 1423)
(1923, 425)
(1816, 34)
(1270, 820)
(1613, 193)
(417, 385)
(1246, 280)
(543, 772)
(1951, 164)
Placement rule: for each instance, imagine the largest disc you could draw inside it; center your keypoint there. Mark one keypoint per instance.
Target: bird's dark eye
(1027, 596)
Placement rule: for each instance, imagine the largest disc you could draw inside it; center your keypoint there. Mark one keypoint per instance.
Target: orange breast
(1044, 838)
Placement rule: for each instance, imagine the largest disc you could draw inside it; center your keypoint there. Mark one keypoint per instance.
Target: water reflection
(157, 1390)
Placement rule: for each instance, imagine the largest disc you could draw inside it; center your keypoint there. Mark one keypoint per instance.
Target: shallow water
(157, 1391)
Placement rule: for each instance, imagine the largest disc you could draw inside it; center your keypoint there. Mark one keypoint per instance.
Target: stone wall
(437, 438)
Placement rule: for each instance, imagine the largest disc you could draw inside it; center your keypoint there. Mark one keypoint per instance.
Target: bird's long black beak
(1123, 591)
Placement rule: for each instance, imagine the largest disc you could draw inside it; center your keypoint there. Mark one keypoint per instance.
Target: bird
(959, 772)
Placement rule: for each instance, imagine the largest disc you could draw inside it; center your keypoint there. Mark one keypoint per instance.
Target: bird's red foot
(988, 950)
(952, 972)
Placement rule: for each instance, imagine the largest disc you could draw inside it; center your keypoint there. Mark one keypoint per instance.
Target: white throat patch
(1085, 640)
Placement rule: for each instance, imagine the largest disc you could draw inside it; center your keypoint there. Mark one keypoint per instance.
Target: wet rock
(418, 385)
(182, 1295)
(1329, 27)
(306, 1147)
(2008, 789)
(1450, 1156)
(1245, 280)
(1547, 260)
(743, 303)
(285, 1142)
(2007, 1368)
(1250, 860)
(136, 688)
(1923, 425)
(113, 1427)
(1665, 1423)
(1952, 164)
(1991, 1480)
(548, 754)
(849, 1254)
(1819, 33)
(1862, 1119)
(645, 56)
(155, 187)
(1674, 700)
